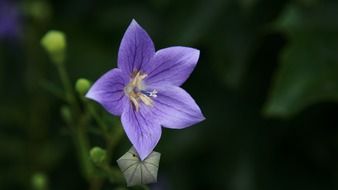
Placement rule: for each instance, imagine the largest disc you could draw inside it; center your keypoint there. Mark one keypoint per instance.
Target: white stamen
(135, 91)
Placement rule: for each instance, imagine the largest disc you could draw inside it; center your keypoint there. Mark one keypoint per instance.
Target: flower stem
(97, 118)
(82, 152)
(114, 140)
(112, 137)
(82, 144)
(78, 123)
(70, 95)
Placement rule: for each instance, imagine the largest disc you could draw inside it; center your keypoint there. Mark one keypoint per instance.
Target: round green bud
(66, 114)
(54, 43)
(39, 181)
(98, 155)
(82, 86)
(38, 10)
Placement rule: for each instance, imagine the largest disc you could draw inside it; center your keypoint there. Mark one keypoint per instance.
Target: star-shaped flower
(145, 91)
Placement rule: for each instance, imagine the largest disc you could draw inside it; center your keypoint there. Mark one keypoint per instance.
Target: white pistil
(153, 93)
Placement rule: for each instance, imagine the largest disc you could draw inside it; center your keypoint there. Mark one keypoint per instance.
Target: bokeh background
(267, 82)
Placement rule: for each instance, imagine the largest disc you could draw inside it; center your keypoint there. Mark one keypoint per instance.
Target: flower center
(136, 91)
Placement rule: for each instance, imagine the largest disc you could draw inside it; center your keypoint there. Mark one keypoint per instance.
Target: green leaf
(308, 71)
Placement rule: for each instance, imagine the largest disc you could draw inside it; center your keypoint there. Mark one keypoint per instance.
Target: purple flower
(9, 19)
(145, 91)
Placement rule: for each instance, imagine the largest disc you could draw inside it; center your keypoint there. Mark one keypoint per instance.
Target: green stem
(111, 138)
(83, 151)
(113, 174)
(52, 88)
(97, 118)
(70, 95)
(79, 123)
(82, 144)
(115, 139)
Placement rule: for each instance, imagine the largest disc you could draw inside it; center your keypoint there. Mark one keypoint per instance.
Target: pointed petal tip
(142, 130)
(195, 54)
(172, 65)
(92, 97)
(176, 109)
(143, 154)
(134, 23)
(108, 91)
(142, 157)
(89, 95)
(198, 52)
(188, 50)
(198, 120)
(202, 118)
(136, 49)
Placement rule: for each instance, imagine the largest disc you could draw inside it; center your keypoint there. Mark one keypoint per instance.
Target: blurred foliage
(309, 64)
(261, 60)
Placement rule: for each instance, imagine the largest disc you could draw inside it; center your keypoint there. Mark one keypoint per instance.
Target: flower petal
(142, 129)
(136, 49)
(109, 91)
(175, 108)
(171, 65)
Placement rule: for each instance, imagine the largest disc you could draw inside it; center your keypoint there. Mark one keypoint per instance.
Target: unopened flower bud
(82, 85)
(39, 181)
(38, 10)
(98, 155)
(137, 171)
(55, 44)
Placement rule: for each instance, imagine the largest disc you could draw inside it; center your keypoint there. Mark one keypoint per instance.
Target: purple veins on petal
(142, 129)
(109, 91)
(172, 65)
(176, 109)
(136, 49)
(145, 90)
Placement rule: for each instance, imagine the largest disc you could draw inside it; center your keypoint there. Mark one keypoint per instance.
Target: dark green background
(267, 82)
